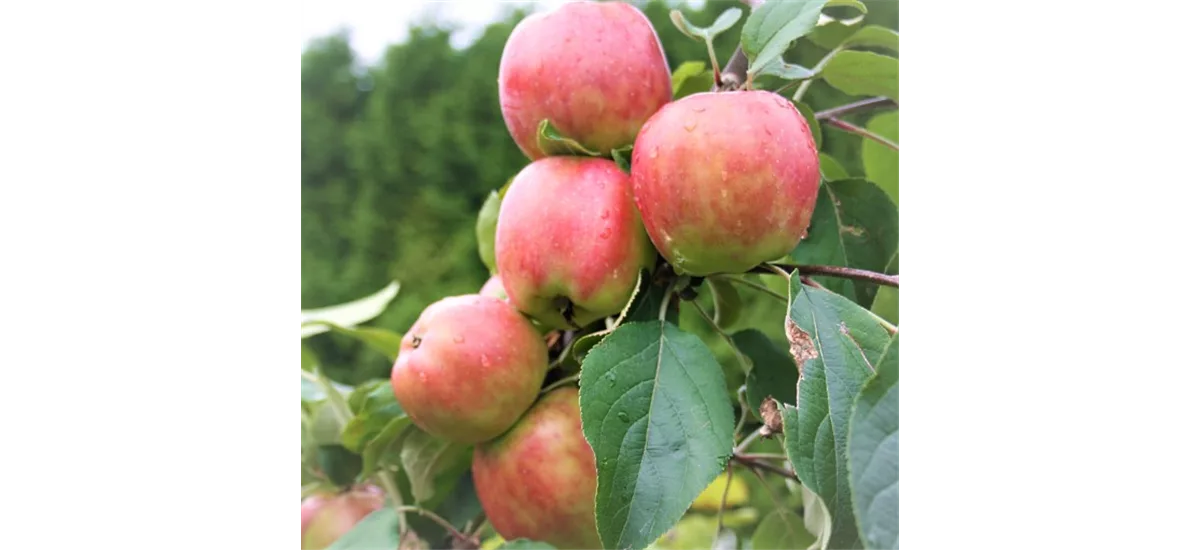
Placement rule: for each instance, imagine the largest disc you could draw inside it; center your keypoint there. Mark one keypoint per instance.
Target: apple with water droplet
(570, 242)
(326, 516)
(595, 70)
(538, 481)
(468, 368)
(725, 180)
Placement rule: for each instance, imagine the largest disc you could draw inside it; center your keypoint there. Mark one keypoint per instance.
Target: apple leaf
(774, 374)
(485, 230)
(772, 27)
(832, 338)
(374, 406)
(691, 77)
(525, 544)
(726, 301)
(864, 73)
(379, 529)
(427, 460)
(874, 36)
(379, 339)
(887, 298)
(724, 22)
(552, 142)
(854, 224)
(880, 162)
(787, 71)
(811, 119)
(831, 169)
(622, 157)
(875, 454)
(782, 528)
(349, 314)
(657, 415)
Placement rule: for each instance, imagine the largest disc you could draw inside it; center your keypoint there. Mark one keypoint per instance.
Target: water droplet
(624, 417)
(698, 109)
(612, 379)
(604, 214)
(804, 235)
(654, 153)
(483, 360)
(422, 377)
(459, 339)
(724, 176)
(782, 102)
(606, 233)
(689, 125)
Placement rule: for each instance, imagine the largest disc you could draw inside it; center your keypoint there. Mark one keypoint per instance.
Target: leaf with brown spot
(831, 339)
(854, 224)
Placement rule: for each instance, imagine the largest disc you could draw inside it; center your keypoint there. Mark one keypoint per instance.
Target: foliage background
(397, 158)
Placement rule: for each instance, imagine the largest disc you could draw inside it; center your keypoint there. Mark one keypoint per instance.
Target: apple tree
(594, 393)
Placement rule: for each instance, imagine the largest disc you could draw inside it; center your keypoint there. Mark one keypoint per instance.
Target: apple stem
(846, 126)
(436, 519)
(559, 383)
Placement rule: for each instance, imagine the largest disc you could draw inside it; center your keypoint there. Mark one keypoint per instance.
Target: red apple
(595, 70)
(494, 288)
(325, 517)
(725, 180)
(468, 368)
(569, 241)
(538, 481)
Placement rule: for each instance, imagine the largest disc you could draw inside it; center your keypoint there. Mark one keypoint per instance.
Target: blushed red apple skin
(325, 517)
(568, 229)
(725, 180)
(494, 288)
(538, 481)
(595, 70)
(468, 368)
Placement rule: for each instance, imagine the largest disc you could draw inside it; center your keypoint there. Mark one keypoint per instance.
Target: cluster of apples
(719, 182)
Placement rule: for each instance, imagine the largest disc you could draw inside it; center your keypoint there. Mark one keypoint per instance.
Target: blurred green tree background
(397, 158)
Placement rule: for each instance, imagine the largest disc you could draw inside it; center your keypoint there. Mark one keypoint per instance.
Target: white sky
(376, 24)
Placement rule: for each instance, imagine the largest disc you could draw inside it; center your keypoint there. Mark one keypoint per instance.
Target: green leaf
(374, 407)
(831, 169)
(525, 544)
(379, 339)
(874, 36)
(811, 119)
(831, 33)
(308, 359)
(656, 413)
(726, 301)
(427, 459)
(379, 529)
(623, 157)
(887, 298)
(724, 22)
(832, 337)
(383, 449)
(339, 463)
(854, 224)
(552, 142)
(773, 26)
(781, 529)
(485, 230)
(880, 162)
(787, 71)
(691, 77)
(864, 73)
(774, 373)
(348, 314)
(875, 454)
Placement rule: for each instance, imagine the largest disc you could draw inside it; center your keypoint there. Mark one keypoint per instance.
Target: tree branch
(834, 271)
(846, 126)
(857, 106)
(759, 465)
